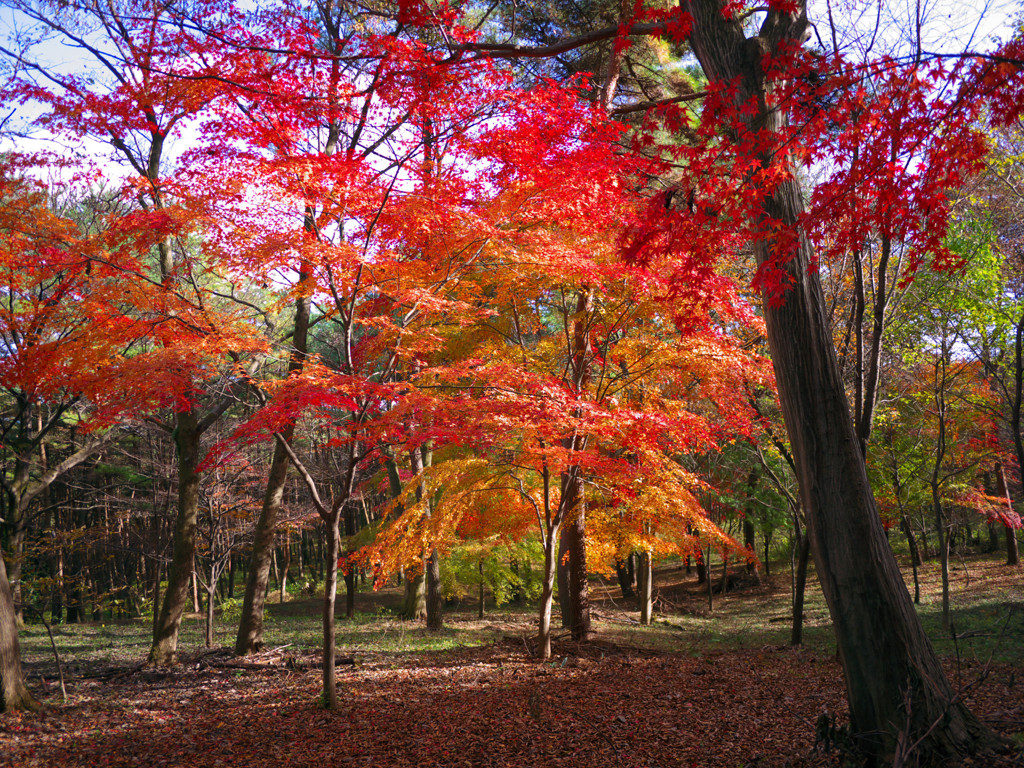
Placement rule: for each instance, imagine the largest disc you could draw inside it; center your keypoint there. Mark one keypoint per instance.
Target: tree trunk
(750, 544)
(211, 590)
(330, 595)
(17, 559)
(350, 568)
(915, 555)
(562, 575)
(14, 694)
(796, 635)
(945, 541)
(574, 534)
(645, 585)
(286, 564)
(625, 582)
(480, 571)
(706, 558)
(896, 688)
(196, 607)
(157, 578)
(415, 597)
(250, 624)
(422, 459)
(165, 634)
(435, 619)
(1012, 552)
(547, 595)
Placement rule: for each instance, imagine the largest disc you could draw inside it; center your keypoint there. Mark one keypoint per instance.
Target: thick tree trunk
(574, 535)
(17, 559)
(13, 693)
(165, 632)
(896, 688)
(415, 597)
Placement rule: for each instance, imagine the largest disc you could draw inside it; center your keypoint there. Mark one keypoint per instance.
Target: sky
(948, 26)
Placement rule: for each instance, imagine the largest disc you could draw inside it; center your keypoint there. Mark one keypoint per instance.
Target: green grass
(987, 623)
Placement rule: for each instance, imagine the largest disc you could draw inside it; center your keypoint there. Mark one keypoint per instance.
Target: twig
(53, 644)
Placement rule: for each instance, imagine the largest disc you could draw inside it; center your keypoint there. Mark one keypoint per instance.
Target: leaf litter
(594, 704)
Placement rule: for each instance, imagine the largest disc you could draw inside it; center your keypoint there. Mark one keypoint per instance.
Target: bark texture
(13, 693)
(898, 694)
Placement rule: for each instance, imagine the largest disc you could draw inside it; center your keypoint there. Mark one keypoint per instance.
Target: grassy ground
(987, 610)
(711, 687)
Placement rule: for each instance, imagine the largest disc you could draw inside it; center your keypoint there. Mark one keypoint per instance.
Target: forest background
(494, 298)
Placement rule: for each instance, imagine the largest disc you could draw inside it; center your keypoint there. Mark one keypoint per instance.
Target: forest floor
(702, 687)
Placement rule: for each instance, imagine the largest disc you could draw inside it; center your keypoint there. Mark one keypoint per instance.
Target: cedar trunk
(896, 688)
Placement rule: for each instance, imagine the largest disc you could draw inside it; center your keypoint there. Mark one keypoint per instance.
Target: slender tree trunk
(165, 635)
(750, 544)
(286, 564)
(480, 570)
(157, 578)
(435, 618)
(625, 582)
(645, 586)
(211, 590)
(915, 555)
(562, 576)
(250, 625)
(796, 635)
(896, 688)
(707, 577)
(547, 595)
(196, 607)
(1012, 552)
(350, 568)
(422, 459)
(330, 596)
(273, 569)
